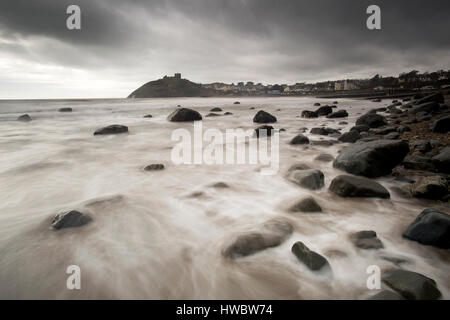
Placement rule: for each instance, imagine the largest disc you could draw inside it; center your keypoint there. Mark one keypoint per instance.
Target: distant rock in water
(70, 219)
(65, 109)
(351, 186)
(309, 114)
(324, 157)
(264, 117)
(366, 240)
(372, 159)
(324, 110)
(299, 139)
(311, 259)
(310, 179)
(112, 129)
(338, 114)
(24, 118)
(148, 116)
(184, 114)
(172, 87)
(154, 167)
(431, 227)
(264, 131)
(268, 235)
(236, 102)
(212, 114)
(216, 109)
(307, 204)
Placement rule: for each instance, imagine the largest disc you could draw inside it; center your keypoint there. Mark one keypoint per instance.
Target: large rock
(431, 227)
(264, 117)
(366, 240)
(112, 129)
(309, 114)
(299, 139)
(372, 120)
(425, 107)
(433, 187)
(338, 114)
(441, 125)
(24, 118)
(412, 285)
(70, 219)
(350, 137)
(270, 234)
(437, 97)
(307, 204)
(324, 110)
(360, 128)
(311, 259)
(442, 160)
(310, 179)
(351, 186)
(183, 115)
(373, 158)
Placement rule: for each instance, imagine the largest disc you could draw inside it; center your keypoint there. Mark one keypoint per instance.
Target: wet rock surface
(70, 219)
(351, 186)
(412, 285)
(264, 117)
(310, 179)
(311, 259)
(112, 129)
(184, 115)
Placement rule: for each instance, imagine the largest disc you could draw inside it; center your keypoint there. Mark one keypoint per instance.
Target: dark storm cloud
(228, 40)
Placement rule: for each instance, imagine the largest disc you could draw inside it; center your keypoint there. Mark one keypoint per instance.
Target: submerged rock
(148, 116)
(309, 114)
(24, 118)
(184, 115)
(373, 158)
(307, 204)
(311, 259)
(264, 117)
(366, 240)
(212, 114)
(310, 179)
(70, 219)
(65, 109)
(154, 167)
(216, 109)
(271, 234)
(351, 186)
(431, 227)
(324, 157)
(220, 185)
(299, 139)
(338, 114)
(112, 129)
(412, 285)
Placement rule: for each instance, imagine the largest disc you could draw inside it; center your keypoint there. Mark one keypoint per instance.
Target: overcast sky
(123, 44)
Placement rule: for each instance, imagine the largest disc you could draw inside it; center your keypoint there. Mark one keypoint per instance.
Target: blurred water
(150, 239)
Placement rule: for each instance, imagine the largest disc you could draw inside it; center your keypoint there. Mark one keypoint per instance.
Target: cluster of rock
(326, 111)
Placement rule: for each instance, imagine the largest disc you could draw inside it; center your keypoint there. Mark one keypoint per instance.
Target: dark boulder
(360, 128)
(437, 97)
(403, 129)
(309, 114)
(264, 131)
(425, 107)
(212, 114)
(227, 113)
(433, 187)
(184, 115)
(384, 130)
(311, 259)
(366, 240)
(324, 110)
(418, 163)
(316, 104)
(270, 234)
(236, 102)
(351, 186)
(24, 118)
(431, 227)
(299, 139)
(307, 204)
(412, 285)
(65, 109)
(216, 109)
(350, 137)
(148, 116)
(112, 129)
(310, 179)
(442, 160)
(70, 219)
(373, 158)
(264, 117)
(441, 125)
(338, 114)
(324, 131)
(372, 120)
(154, 167)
